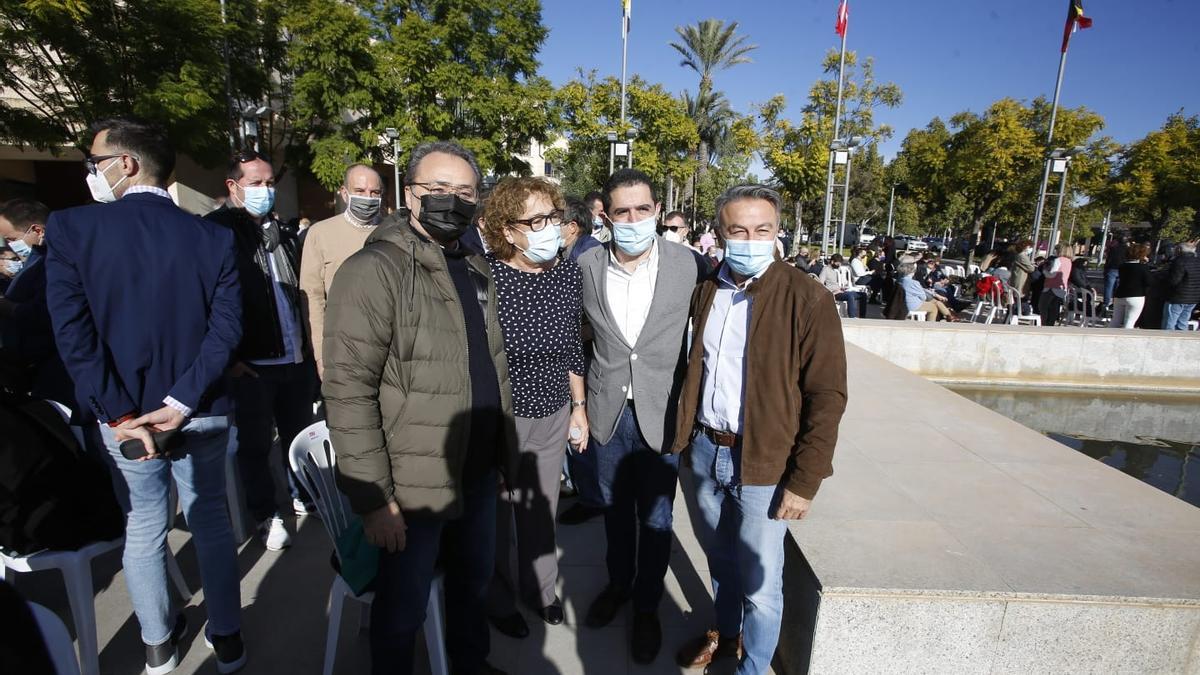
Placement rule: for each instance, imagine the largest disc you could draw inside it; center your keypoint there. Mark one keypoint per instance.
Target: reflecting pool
(1154, 438)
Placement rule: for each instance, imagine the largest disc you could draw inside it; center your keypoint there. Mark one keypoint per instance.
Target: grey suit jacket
(655, 366)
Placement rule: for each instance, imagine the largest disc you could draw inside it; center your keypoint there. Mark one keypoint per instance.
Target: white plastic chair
(76, 568)
(992, 304)
(57, 639)
(842, 308)
(1194, 325)
(312, 459)
(916, 315)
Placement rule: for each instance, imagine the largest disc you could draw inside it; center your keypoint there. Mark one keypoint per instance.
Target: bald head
(362, 180)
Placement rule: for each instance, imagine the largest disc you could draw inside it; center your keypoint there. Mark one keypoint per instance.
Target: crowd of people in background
(464, 351)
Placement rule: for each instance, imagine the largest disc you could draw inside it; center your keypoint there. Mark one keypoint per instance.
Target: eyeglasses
(539, 223)
(91, 162)
(440, 188)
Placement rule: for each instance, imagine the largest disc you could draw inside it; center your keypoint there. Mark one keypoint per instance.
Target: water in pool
(1154, 438)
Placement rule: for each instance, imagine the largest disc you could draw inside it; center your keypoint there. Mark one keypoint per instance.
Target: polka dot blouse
(540, 314)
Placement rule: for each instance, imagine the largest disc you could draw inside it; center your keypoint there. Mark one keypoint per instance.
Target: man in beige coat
(329, 242)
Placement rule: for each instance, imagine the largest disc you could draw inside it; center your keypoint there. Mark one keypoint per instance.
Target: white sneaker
(273, 534)
(301, 509)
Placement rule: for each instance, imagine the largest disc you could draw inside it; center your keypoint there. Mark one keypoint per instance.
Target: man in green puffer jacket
(420, 409)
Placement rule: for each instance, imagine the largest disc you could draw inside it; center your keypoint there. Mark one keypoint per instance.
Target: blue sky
(1139, 63)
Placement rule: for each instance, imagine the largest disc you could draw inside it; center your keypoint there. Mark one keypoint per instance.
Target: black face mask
(445, 217)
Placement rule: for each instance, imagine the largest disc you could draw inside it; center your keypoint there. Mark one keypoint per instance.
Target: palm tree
(707, 47)
(713, 115)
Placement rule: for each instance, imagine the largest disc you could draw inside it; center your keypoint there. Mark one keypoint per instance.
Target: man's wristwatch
(579, 404)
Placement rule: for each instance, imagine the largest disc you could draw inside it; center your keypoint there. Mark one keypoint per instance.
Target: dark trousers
(856, 303)
(465, 547)
(581, 469)
(638, 487)
(1050, 307)
(280, 397)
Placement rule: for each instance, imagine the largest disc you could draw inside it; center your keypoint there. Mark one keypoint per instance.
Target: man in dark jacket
(758, 415)
(26, 338)
(146, 310)
(274, 376)
(419, 406)
(1183, 288)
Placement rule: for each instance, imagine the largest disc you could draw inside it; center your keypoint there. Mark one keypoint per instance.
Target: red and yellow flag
(626, 14)
(1075, 21)
(843, 19)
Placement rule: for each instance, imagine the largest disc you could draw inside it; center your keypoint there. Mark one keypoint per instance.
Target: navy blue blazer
(145, 303)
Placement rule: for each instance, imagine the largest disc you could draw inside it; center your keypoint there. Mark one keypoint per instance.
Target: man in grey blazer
(636, 292)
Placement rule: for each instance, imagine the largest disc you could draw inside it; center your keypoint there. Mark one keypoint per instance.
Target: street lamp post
(841, 150)
(630, 134)
(612, 151)
(891, 206)
(393, 134)
(1059, 162)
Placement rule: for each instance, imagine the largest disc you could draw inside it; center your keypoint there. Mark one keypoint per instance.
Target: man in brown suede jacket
(758, 415)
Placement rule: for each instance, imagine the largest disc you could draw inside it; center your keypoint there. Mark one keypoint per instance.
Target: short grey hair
(748, 191)
(906, 268)
(445, 147)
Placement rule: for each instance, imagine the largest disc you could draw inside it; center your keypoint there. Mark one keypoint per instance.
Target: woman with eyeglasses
(539, 298)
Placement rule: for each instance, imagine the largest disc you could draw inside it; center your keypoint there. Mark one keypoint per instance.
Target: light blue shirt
(914, 293)
(726, 331)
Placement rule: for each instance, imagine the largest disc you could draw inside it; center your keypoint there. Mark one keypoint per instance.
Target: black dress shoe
(578, 514)
(552, 614)
(513, 625)
(605, 607)
(647, 637)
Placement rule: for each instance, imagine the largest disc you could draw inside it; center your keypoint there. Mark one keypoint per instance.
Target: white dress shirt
(630, 295)
(726, 331)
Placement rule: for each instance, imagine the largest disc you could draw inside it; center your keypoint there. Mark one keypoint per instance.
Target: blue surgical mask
(634, 238)
(258, 200)
(20, 248)
(597, 223)
(13, 266)
(748, 258)
(543, 245)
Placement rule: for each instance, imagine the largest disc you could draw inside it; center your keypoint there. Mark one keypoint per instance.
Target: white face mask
(99, 187)
(672, 235)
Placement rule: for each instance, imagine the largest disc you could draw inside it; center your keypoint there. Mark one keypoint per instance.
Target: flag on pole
(1075, 21)
(843, 19)
(626, 15)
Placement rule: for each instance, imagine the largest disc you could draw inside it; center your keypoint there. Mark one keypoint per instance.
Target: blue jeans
(1175, 316)
(856, 304)
(744, 546)
(280, 398)
(143, 488)
(1111, 276)
(637, 484)
(465, 547)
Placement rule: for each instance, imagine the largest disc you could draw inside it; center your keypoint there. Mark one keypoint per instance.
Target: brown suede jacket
(795, 378)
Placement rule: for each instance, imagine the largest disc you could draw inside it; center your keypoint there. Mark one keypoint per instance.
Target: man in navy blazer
(26, 339)
(146, 308)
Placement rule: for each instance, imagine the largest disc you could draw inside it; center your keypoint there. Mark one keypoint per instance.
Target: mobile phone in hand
(165, 441)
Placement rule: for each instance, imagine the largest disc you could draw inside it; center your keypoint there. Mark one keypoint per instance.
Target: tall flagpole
(626, 11)
(837, 128)
(1037, 213)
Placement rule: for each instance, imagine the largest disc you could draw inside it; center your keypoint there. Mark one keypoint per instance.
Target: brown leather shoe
(708, 648)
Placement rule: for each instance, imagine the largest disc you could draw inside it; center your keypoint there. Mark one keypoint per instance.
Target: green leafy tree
(1158, 179)
(70, 62)
(432, 69)
(587, 108)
